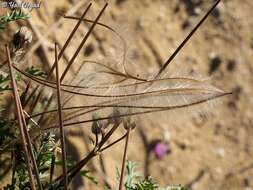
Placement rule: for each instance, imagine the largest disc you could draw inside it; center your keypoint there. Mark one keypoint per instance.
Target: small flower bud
(97, 126)
(129, 123)
(115, 119)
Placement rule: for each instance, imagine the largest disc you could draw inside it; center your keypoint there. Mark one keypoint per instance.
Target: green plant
(36, 72)
(4, 83)
(134, 181)
(41, 110)
(10, 17)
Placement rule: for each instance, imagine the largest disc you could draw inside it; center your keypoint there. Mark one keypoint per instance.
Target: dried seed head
(97, 126)
(115, 119)
(129, 123)
(21, 38)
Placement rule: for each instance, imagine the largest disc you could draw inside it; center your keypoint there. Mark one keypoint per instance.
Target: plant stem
(52, 166)
(59, 57)
(69, 39)
(82, 43)
(62, 135)
(74, 170)
(21, 127)
(30, 149)
(186, 40)
(113, 143)
(124, 159)
(139, 113)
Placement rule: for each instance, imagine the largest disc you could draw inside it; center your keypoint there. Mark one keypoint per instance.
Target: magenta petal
(161, 150)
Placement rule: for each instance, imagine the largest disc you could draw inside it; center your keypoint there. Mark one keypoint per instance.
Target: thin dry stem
(30, 149)
(59, 56)
(124, 159)
(21, 127)
(113, 143)
(186, 40)
(82, 43)
(75, 169)
(69, 38)
(62, 135)
(139, 113)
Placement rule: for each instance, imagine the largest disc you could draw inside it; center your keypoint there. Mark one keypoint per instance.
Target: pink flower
(161, 149)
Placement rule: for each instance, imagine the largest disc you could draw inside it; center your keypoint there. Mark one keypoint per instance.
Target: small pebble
(166, 136)
(215, 64)
(221, 152)
(231, 65)
(88, 50)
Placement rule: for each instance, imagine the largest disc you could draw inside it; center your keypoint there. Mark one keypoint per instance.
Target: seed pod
(21, 38)
(115, 119)
(129, 123)
(97, 126)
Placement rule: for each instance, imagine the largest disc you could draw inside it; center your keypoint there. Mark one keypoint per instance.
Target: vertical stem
(21, 127)
(62, 135)
(52, 166)
(59, 57)
(124, 159)
(29, 144)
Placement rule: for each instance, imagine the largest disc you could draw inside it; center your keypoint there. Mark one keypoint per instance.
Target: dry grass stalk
(20, 121)
(62, 135)
(82, 42)
(186, 39)
(121, 181)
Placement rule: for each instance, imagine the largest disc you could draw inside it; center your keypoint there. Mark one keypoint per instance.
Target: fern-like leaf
(13, 16)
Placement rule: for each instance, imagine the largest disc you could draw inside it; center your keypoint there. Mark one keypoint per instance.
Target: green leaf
(13, 16)
(144, 185)
(4, 86)
(177, 187)
(132, 174)
(85, 173)
(35, 72)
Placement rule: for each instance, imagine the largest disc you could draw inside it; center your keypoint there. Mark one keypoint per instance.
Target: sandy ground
(211, 146)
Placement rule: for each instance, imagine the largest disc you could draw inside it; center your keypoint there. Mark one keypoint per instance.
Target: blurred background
(209, 147)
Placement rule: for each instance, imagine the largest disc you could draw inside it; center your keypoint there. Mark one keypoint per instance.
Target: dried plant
(108, 91)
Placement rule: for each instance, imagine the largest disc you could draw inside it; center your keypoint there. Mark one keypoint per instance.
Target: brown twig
(51, 85)
(60, 55)
(29, 143)
(69, 38)
(75, 169)
(56, 25)
(62, 135)
(21, 127)
(186, 40)
(82, 43)
(124, 159)
(113, 143)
